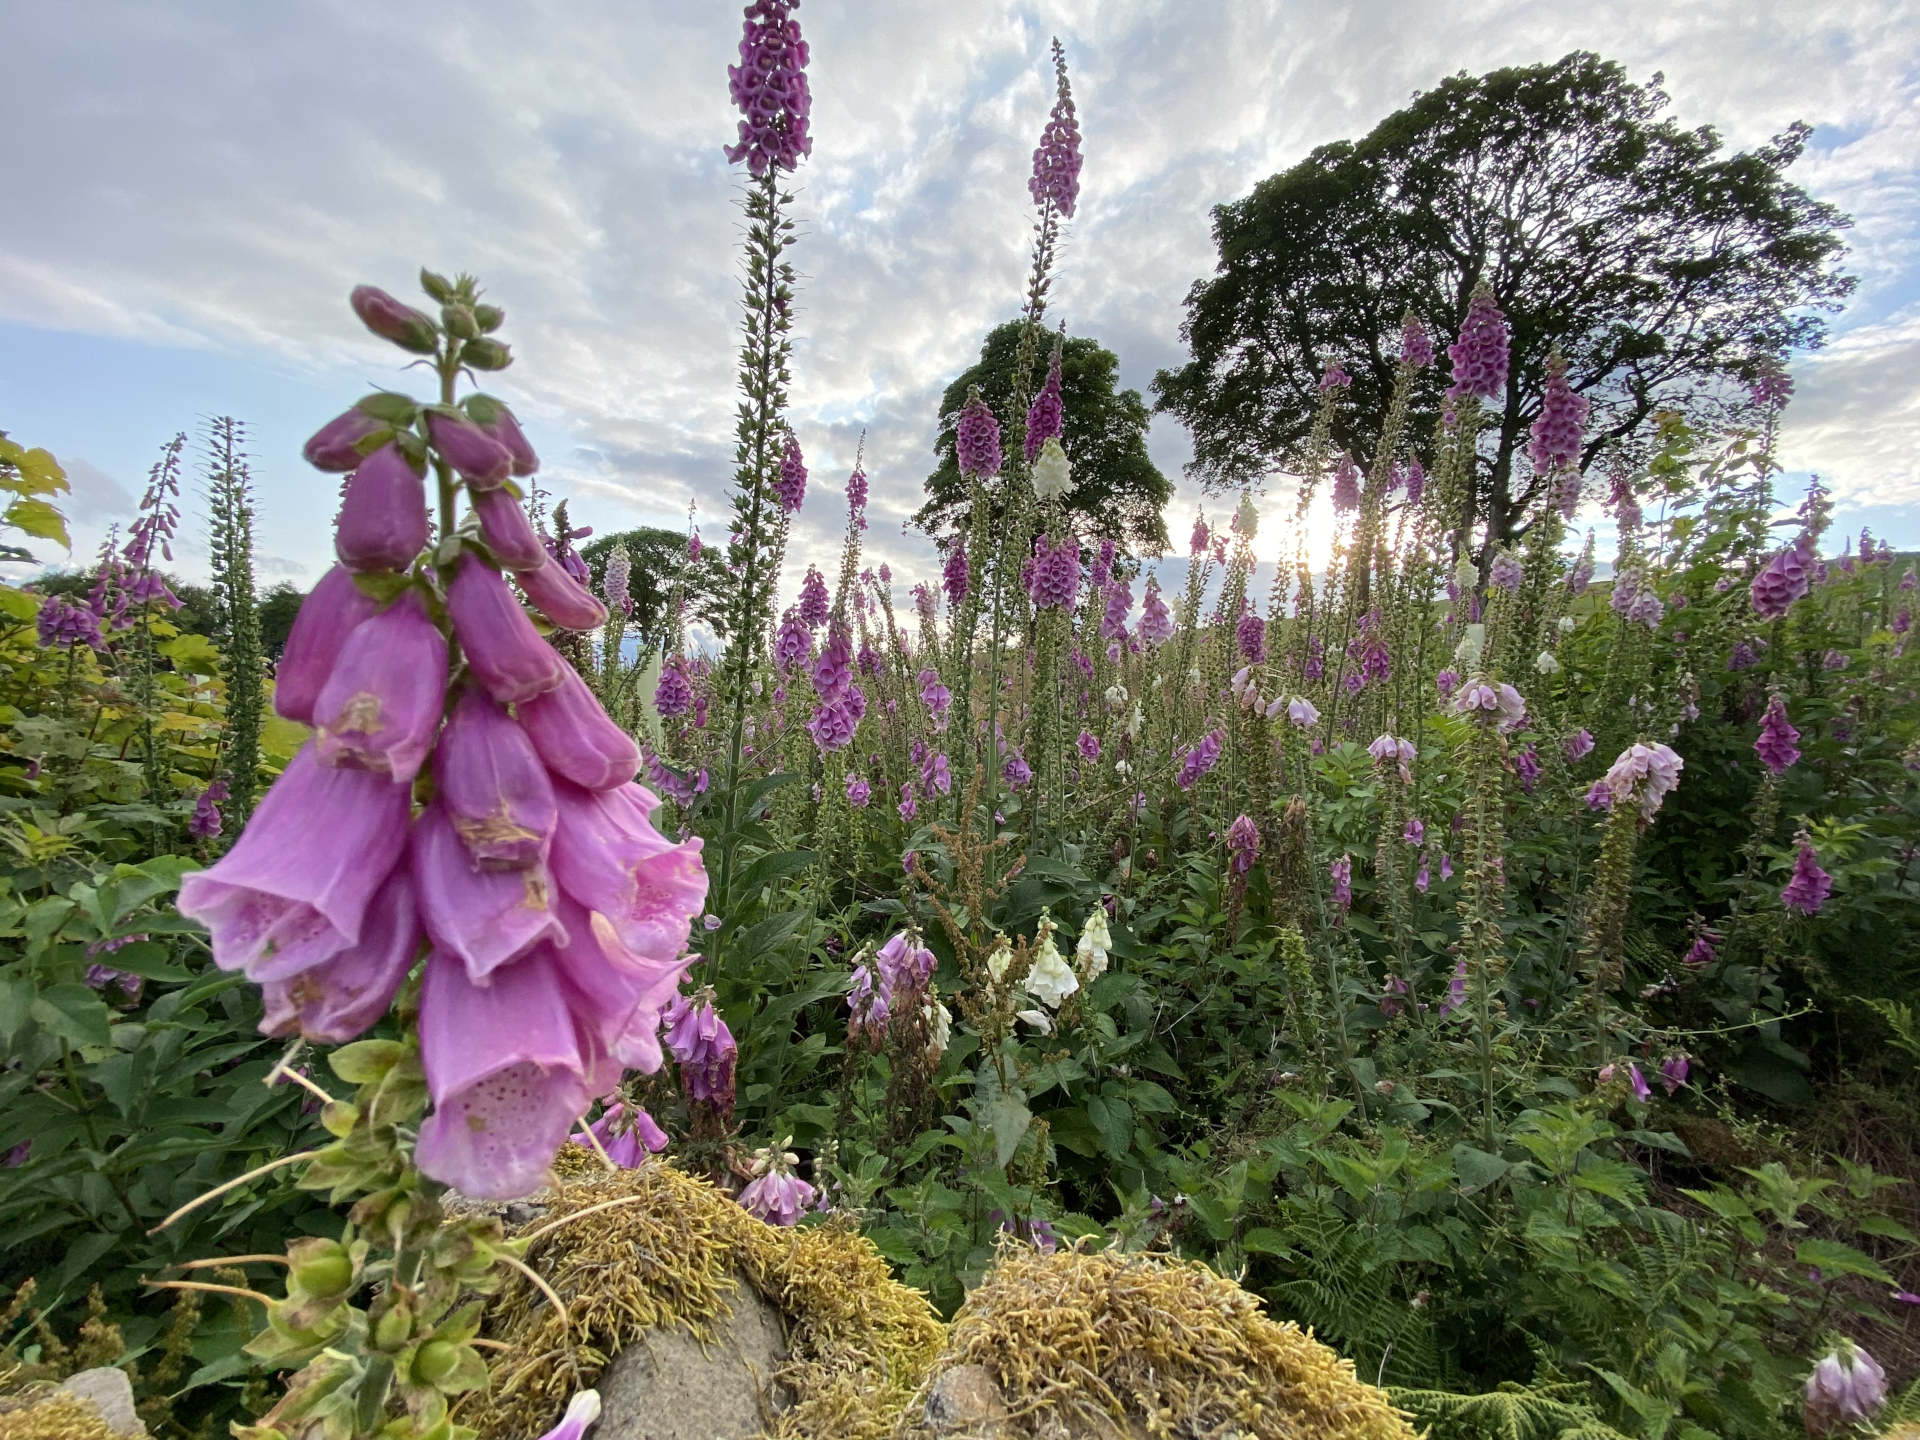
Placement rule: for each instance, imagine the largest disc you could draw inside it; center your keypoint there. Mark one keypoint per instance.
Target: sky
(193, 189)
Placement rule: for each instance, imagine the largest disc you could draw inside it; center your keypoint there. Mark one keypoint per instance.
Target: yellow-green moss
(1164, 1344)
(56, 1416)
(665, 1256)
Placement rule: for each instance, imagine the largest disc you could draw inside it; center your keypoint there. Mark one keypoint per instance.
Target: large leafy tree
(1663, 269)
(656, 557)
(1118, 492)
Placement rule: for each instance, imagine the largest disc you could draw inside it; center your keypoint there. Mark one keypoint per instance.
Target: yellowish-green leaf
(38, 519)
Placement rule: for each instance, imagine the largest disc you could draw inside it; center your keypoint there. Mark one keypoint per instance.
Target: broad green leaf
(1009, 1119)
(1477, 1169)
(76, 1013)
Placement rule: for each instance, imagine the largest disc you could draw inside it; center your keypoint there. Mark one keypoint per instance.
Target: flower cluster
(1777, 746)
(1643, 775)
(1479, 356)
(1056, 159)
(790, 484)
(1416, 345)
(1053, 575)
(769, 86)
(1047, 414)
(1783, 579)
(976, 439)
(1809, 886)
(555, 915)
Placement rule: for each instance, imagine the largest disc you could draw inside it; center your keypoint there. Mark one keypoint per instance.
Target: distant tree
(1662, 269)
(1118, 492)
(656, 556)
(278, 607)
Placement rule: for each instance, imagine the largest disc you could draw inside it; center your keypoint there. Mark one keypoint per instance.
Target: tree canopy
(655, 558)
(1662, 269)
(1118, 492)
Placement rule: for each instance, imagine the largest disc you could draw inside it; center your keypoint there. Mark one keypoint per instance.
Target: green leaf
(38, 519)
(1009, 1119)
(1477, 1169)
(192, 654)
(1830, 1257)
(1262, 1240)
(75, 1013)
(365, 1061)
(769, 868)
(1114, 1120)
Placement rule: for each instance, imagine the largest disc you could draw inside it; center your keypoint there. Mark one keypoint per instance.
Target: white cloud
(219, 179)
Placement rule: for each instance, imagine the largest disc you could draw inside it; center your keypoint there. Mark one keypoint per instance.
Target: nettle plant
(463, 794)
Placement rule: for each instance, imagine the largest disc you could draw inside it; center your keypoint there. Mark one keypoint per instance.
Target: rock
(111, 1393)
(669, 1387)
(965, 1398)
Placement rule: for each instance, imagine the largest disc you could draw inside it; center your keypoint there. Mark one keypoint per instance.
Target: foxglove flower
(503, 650)
(814, 604)
(1050, 980)
(294, 890)
(1054, 578)
(1560, 427)
(330, 613)
(1341, 871)
(1643, 775)
(1346, 485)
(575, 737)
(338, 999)
(1479, 356)
(482, 461)
(492, 785)
(1673, 1072)
(790, 485)
(1809, 887)
(1114, 613)
(508, 533)
(561, 597)
(1782, 580)
(627, 1134)
(953, 575)
(776, 1195)
(380, 708)
(1016, 772)
(1251, 637)
(1047, 414)
(1846, 1389)
(1456, 995)
(1056, 159)
(61, 625)
(1416, 348)
(204, 824)
(1701, 953)
(1156, 620)
(484, 919)
(1334, 378)
(608, 856)
(704, 1048)
(1776, 746)
(496, 421)
(341, 443)
(859, 792)
(976, 438)
(383, 516)
(1579, 745)
(1301, 712)
(769, 86)
(1505, 573)
(391, 320)
(1052, 474)
(1200, 760)
(1416, 481)
(1197, 542)
(1243, 844)
(673, 694)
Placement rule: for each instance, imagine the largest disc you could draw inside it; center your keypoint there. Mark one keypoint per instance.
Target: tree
(1118, 492)
(279, 607)
(655, 559)
(1663, 271)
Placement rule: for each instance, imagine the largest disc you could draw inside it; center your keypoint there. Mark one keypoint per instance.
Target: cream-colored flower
(939, 1027)
(1247, 520)
(999, 958)
(1546, 663)
(1472, 645)
(1049, 980)
(1052, 474)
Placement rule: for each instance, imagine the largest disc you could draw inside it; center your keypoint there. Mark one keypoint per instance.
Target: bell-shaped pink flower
(390, 320)
(339, 998)
(335, 446)
(380, 708)
(628, 1135)
(482, 461)
(507, 531)
(561, 598)
(618, 996)
(608, 856)
(330, 613)
(383, 519)
(506, 1072)
(293, 892)
(497, 421)
(489, 778)
(575, 737)
(503, 649)
(484, 918)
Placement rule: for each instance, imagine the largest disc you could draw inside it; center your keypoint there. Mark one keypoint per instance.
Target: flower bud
(321, 1268)
(340, 444)
(481, 461)
(504, 651)
(497, 420)
(486, 353)
(383, 519)
(488, 317)
(394, 1327)
(575, 737)
(327, 616)
(390, 320)
(488, 775)
(436, 285)
(437, 1360)
(506, 530)
(380, 709)
(561, 598)
(460, 322)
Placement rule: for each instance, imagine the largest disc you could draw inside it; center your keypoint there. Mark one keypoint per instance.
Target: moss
(1166, 1346)
(665, 1256)
(59, 1416)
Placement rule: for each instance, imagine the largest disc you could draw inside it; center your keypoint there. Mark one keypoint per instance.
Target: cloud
(96, 498)
(219, 179)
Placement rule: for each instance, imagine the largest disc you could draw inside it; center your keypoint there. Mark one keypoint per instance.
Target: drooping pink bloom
(833, 670)
(673, 694)
(480, 460)
(576, 739)
(608, 856)
(1526, 767)
(1456, 995)
(1056, 159)
(293, 892)
(502, 648)
(1701, 953)
(1505, 573)
(507, 1073)
(704, 1047)
(1579, 745)
(1673, 1072)
(582, 1411)
(778, 1197)
(815, 606)
(506, 530)
(1783, 579)
(1197, 542)
(1118, 606)
(1776, 746)
(1053, 577)
(61, 625)
(390, 320)
(1846, 1389)
(1393, 997)
(859, 792)
(1334, 378)
(954, 578)
(1047, 414)
(1479, 356)
(1415, 832)
(1016, 772)
(976, 437)
(1416, 345)
(562, 598)
(1416, 482)
(336, 1000)
(383, 517)
(1808, 889)
(380, 708)
(790, 484)
(1251, 638)
(1200, 760)
(483, 918)
(1643, 775)
(769, 86)
(336, 446)
(331, 612)
(1346, 485)
(1637, 1083)
(618, 996)
(204, 823)
(1560, 427)
(1156, 620)
(1243, 844)
(1089, 746)
(1341, 871)
(497, 421)
(792, 643)
(491, 782)
(627, 1134)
